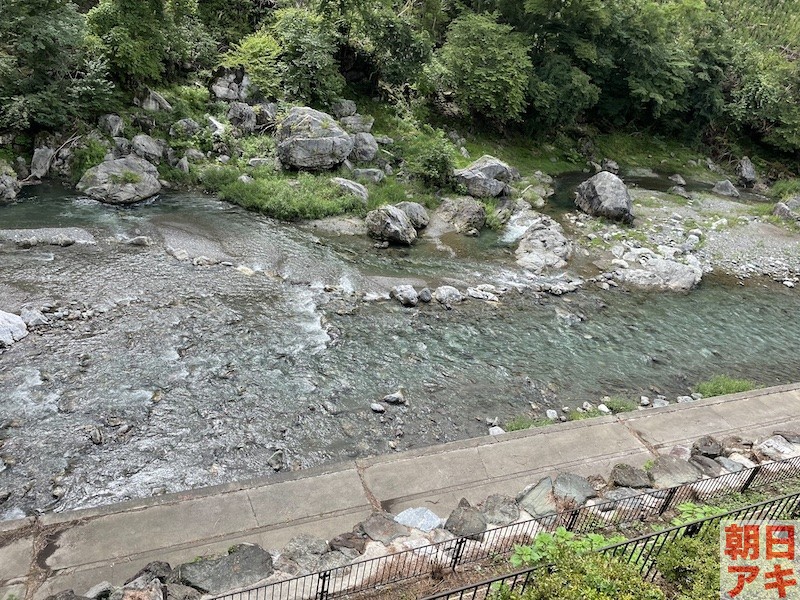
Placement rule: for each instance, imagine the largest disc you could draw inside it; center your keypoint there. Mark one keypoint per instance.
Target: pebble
(552, 414)
(377, 408)
(496, 430)
(604, 409)
(644, 401)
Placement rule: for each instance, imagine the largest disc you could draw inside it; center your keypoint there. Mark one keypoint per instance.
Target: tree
(46, 76)
(487, 65)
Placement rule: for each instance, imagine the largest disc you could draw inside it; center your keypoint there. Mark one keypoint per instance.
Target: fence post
(458, 551)
(753, 474)
(322, 587)
(572, 519)
(668, 500)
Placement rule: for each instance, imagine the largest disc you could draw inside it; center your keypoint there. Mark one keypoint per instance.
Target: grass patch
(620, 405)
(87, 156)
(642, 150)
(526, 422)
(785, 188)
(391, 191)
(580, 415)
(722, 384)
(761, 209)
(519, 152)
(126, 177)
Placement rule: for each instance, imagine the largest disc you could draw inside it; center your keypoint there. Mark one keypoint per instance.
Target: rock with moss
(605, 195)
(390, 224)
(310, 139)
(121, 181)
(184, 128)
(9, 184)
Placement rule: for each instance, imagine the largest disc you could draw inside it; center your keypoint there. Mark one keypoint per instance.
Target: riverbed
(265, 348)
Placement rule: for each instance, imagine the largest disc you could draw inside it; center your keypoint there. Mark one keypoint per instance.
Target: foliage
(429, 157)
(550, 547)
(723, 384)
(258, 55)
(126, 177)
(89, 155)
(619, 405)
(785, 188)
(229, 21)
(486, 64)
(46, 76)
(521, 422)
(577, 576)
(689, 511)
(691, 565)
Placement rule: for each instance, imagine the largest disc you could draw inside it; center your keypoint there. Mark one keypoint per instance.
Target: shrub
(487, 65)
(722, 384)
(691, 566)
(785, 188)
(87, 156)
(258, 54)
(429, 157)
(618, 405)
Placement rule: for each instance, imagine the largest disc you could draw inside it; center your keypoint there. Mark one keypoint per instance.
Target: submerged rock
(121, 181)
(605, 195)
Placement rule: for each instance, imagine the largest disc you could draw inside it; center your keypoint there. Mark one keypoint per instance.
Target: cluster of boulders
(628, 493)
(446, 295)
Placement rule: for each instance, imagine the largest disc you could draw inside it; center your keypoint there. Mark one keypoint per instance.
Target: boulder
(306, 550)
(184, 128)
(573, 488)
(627, 476)
(466, 521)
(111, 124)
(793, 437)
(381, 528)
(543, 246)
(40, 163)
(610, 165)
(121, 181)
(365, 148)
(242, 116)
(728, 464)
(416, 213)
(154, 102)
(423, 519)
(389, 223)
(777, 448)
(725, 188)
(9, 186)
(12, 329)
(348, 541)
(351, 187)
(669, 471)
(707, 446)
(244, 566)
(139, 590)
(183, 165)
(447, 295)
(677, 179)
(783, 211)
(500, 510)
(371, 175)
(150, 149)
(465, 214)
(343, 108)
(122, 147)
(708, 466)
(538, 499)
(310, 139)
(357, 123)
(486, 177)
(662, 274)
(405, 295)
(231, 84)
(157, 569)
(605, 195)
(746, 172)
(266, 114)
(176, 591)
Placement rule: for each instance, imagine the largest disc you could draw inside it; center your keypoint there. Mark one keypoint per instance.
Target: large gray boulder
(9, 186)
(662, 274)
(365, 148)
(111, 124)
(390, 224)
(668, 471)
(121, 181)
(500, 510)
(605, 195)
(242, 116)
(543, 246)
(416, 213)
(12, 329)
(351, 187)
(465, 214)
(466, 521)
(486, 177)
(725, 188)
(148, 148)
(244, 566)
(573, 488)
(538, 499)
(746, 172)
(357, 123)
(40, 163)
(310, 139)
(627, 476)
(343, 108)
(231, 85)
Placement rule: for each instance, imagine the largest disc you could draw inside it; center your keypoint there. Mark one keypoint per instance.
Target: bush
(619, 405)
(691, 566)
(785, 188)
(87, 156)
(306, 197)
(429, 156)
(487, 65)
(722, 384)
(258, 55)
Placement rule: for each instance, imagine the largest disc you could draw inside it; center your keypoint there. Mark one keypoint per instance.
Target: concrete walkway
(47, 554)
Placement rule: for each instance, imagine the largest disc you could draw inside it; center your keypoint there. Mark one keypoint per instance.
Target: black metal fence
(642, 551)
(415, 562)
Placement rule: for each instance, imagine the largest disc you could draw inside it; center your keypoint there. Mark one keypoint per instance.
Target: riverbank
(47, 554)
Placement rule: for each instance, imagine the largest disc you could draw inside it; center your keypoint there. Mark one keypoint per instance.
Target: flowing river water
(159, 376)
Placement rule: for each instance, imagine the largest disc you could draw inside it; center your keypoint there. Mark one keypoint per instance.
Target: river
(159, 376)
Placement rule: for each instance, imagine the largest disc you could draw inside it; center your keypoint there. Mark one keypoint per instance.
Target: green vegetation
(723, 384)
(126, 177)
(91, 153)
(690, 566)
(785, 189)
(620, 405)
(526, 422)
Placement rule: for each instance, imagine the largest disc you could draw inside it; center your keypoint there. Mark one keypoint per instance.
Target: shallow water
(191, 376)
